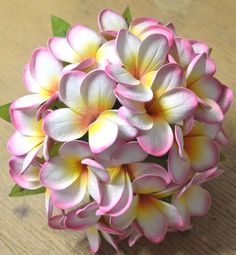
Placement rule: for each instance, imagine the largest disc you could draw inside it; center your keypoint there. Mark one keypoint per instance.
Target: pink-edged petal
(19, 144)
(198, 200)
(208, 175)
(197, 68)
(202, 151)
(69, 89)
(140, 93)
(208, 87)
(182, 52)
(152, 53)
(82, 218)
(97, 91)
(109, 34)
(81, 66)
(29, 82)
(141, 121)
(148, 183)
(102, 134)
(168, 77)
(158, 140)
(125, 220)
(30, 157)
(25, 122)
(97, 169)
(226, 99)
(127, 46)
(180, 140)
(125, 201)
(222, 137)
(72, 195)
(75, 150)
(151, 220)
(45, 69)
(200, 47)
(171, 213)
(205, 129)
(177, 104)
(61, 50)
(57, 222)
(210, 67)
(121, 75)
(28, 102)
(107, 55)
(110, 240)
(180, 169)
(48, 204)
(108, 19)
(171, 26)
(141, 24)
(65, 125)
(94, 187)
(94, 238)
(57, 174)
(130, 152)
(46, 147)
(112, 192)
(135, 234)
(84, 41)
(212, 115)
(29, 179)
(188, 124)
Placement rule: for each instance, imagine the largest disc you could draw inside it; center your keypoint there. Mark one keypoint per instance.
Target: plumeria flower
(85, 218)
(30, 178)
(152, 215)
(29, 137)
(83, 48)
(110, 23)
(140, 62)
(73, 173)
(41, 77)
(90, 99)
(195, 151)
(171, 104)
(118, 193)
(192, 199)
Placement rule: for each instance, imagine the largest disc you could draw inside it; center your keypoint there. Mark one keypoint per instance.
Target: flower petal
(65, 125)
(226, 99)
(177, 104)
(30, 156)
(19, 144)
(202, 151)
(200, 47)
(158, 140)
(45, 69)
(28, 102)
(72, 195)
(61, 50)
(108, 19)
(168, 76)
(94, 187)
(84, 41)
(102, 134)
(29, 82)
(97, 91)
(127, 46)
(93, 238)
(69, 89)
(151, 220)
(152, 53)
(57, 174)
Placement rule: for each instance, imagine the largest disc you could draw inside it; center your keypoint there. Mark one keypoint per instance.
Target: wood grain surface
(24, 25)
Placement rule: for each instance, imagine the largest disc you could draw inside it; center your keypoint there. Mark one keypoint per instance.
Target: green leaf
(222, 157)
(4, 112)
(127, 15)
(18, 191)
(158, 160)
(59, 26)
(55, 150)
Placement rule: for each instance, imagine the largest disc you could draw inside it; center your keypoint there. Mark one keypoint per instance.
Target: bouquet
(120, 130)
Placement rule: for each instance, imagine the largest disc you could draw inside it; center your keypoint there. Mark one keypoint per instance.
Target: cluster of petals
(136, 113)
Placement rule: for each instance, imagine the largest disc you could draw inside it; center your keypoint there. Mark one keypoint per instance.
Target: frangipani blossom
(140, 60)
(73, 173)
(170, 104)
(29, 137)
(192, 199)
(193, 152)
(118, 193)
(110, 23)
(90, 99)
(30, 178)
(83, 48)
(41, 77)
(152, 215)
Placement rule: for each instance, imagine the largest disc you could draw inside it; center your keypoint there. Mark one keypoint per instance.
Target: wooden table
(24, 25)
